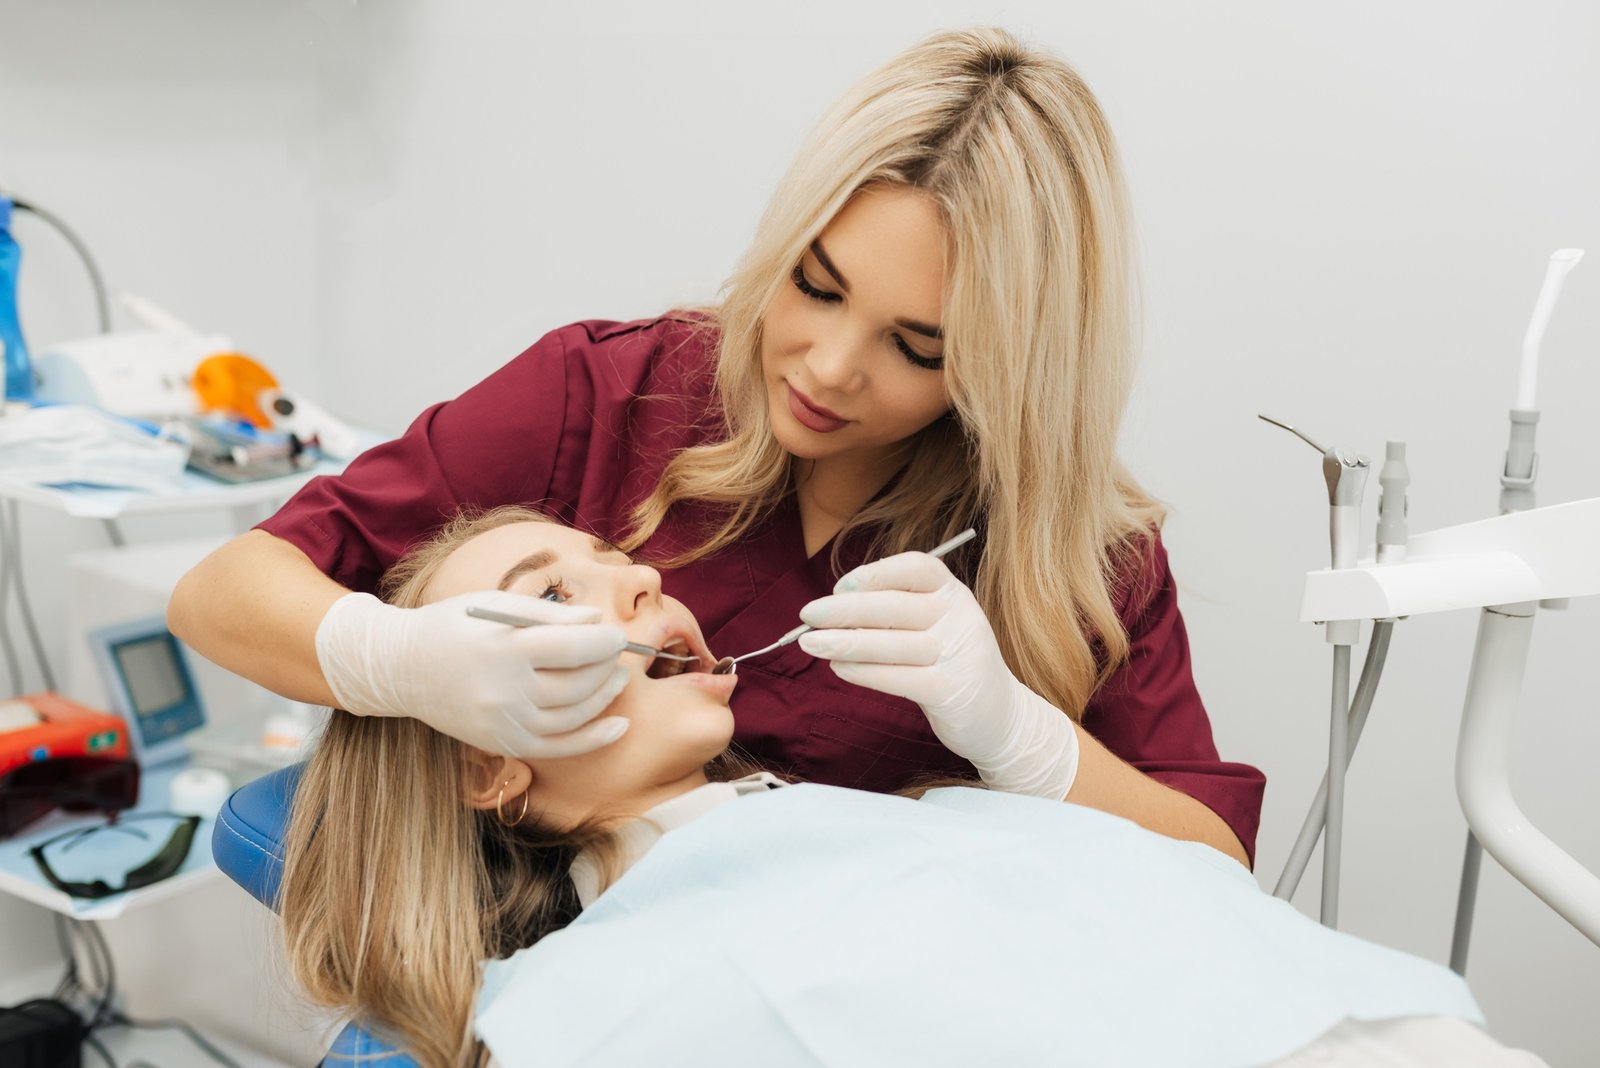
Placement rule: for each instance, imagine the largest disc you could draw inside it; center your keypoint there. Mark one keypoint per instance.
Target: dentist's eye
(927, 363)
(810, 290)
(556, 592)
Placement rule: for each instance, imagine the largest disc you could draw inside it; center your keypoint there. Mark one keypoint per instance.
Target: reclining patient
(656, 902)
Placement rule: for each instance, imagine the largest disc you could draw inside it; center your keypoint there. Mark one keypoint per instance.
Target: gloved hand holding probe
(905, 625)
(528, 692)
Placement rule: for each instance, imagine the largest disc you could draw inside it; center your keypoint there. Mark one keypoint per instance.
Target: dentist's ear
(495, 780)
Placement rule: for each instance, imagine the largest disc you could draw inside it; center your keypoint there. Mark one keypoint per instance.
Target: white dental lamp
(1507, 567)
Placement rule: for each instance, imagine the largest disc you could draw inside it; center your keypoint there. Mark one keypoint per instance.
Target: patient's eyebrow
(543, 558)
(535, 561)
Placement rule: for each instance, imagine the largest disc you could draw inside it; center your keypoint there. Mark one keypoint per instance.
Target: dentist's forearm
(1106, 782)
(253, 607)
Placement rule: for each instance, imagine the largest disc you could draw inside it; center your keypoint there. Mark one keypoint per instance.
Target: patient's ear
(493, 779)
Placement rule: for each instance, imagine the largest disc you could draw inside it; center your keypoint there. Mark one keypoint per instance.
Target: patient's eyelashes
(559, 589)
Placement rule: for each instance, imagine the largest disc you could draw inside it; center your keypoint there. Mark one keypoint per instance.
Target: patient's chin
(704, 736)
(714, 733)
(677, 730)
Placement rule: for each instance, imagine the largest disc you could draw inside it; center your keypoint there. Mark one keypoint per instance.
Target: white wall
(1344, 215)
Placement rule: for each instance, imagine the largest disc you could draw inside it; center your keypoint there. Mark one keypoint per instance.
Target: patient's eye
(556, 591)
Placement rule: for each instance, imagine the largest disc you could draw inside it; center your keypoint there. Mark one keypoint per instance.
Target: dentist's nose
(835, 364)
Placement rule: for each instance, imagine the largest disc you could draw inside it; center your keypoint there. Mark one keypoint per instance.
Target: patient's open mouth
(662, 668)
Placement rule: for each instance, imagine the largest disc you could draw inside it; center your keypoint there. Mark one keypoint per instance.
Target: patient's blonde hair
(1040, 340)
(393, 887)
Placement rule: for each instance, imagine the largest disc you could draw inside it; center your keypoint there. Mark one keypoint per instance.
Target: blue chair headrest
(247, 840)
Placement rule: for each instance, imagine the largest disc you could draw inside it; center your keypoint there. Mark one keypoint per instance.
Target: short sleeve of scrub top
(1149, 712)
(582, 424)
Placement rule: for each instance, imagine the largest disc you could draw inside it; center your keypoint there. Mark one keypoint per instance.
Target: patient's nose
(638, 588)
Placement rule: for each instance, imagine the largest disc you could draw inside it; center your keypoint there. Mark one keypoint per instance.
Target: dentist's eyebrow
(921, 328)
(827, 265)
(536, 561)
(925, 329)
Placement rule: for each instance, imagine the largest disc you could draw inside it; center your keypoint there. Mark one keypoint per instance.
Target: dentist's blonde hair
(1040, 340)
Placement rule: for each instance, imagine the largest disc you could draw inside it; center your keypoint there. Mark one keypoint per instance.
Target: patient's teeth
(664, 667)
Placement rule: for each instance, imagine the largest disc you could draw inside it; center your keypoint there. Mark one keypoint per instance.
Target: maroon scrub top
(581, 425)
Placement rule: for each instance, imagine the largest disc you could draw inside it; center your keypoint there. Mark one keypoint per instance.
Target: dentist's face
(850, 350)
(677, 721)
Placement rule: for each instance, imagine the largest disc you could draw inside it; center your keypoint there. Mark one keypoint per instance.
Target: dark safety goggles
(75, 784)
(140, 866)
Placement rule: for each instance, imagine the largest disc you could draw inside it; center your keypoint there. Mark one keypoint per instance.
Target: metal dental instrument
(523, 621)
(1345, 471)
(729, 664)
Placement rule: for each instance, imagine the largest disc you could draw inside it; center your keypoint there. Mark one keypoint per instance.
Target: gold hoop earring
(499, 806)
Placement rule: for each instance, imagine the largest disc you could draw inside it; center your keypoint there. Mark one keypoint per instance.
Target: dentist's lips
(810, 416)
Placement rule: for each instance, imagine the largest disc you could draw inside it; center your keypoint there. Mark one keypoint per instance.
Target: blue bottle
(19, 369)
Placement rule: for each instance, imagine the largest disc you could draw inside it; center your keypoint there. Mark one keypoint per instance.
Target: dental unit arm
(1503, 566)
(1507, 567)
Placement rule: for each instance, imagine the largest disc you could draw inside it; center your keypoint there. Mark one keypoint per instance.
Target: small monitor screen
(148, 683)
(155, 680)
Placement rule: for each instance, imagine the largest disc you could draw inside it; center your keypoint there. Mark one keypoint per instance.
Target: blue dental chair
(247, 843)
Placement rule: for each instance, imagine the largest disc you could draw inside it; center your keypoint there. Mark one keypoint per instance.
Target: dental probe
(729, 664)
(523, 621)
(1345, 471)
(1346, 474)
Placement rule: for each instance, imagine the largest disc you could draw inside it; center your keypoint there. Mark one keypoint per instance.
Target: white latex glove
(517, 691)
(905, 625)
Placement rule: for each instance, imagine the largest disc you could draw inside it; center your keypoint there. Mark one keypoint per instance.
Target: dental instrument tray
(234, 451)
